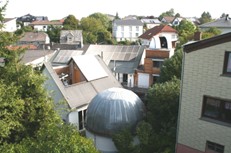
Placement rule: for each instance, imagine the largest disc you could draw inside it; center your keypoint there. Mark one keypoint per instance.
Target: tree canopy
(205, 17)
(70, 23)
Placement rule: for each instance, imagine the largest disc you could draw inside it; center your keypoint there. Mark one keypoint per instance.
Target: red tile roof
(156, 30)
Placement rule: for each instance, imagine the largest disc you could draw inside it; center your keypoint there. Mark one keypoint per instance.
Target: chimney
(197, 35)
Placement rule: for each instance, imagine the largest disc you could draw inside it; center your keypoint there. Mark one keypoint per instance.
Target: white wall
(104, 144)
(10, 26)
(130, 33)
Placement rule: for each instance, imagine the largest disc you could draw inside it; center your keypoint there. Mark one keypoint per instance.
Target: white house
(162, 36)
(9, 25)
(75, 84)
(43, 25)
(127, 29)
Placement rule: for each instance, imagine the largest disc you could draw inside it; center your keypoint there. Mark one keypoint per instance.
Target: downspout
(180, 99)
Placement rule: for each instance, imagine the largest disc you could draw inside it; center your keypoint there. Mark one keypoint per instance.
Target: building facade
(130, 30)
(204, 122)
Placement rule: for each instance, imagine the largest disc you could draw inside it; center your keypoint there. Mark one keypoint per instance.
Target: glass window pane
(212, 108)
(229, 63)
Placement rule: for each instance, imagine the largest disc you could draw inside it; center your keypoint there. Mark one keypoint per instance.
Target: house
(71, 37)
(148, 73)
(9, 25)
(43, 25)
(122, 60)
(34, 38)
(170, 20)
(28, 18)
(204, 117)
(150, 23)
(223, 24)
(158, 37)
(75, 84)
(129, 30)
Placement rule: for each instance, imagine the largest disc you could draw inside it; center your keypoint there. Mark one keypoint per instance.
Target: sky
(58, 9)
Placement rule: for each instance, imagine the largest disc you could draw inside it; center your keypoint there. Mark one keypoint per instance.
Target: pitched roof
(45, 22)
(151, 21)
(8, 19)
(132, 22)
(64, 56)
(77, 34)
(127, 58)
(32, 55)
(81, 94)
(216, 40)
(34, 36)
(156, 30)
(168, 19)
(219, 23)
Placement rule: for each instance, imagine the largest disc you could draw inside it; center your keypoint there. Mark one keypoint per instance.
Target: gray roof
(81, 93)
(31, 55)
(130, 22)
(112, 110)
(64, 56)
(151, 21)
(121, 58)
(77, 35)
(219, 23)
(34, 37)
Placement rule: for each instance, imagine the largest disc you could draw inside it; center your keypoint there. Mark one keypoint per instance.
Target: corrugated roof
(64, 56)
(81, 94)
(127, 58)
(132, 22)
(156, 30)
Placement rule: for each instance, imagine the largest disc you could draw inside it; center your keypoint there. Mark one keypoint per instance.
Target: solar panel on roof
(90, 67)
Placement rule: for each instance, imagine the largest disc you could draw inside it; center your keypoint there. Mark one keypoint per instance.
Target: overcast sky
(57, 9)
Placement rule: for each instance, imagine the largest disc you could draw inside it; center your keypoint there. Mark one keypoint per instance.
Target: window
(227, 63)
(155, 78)
(217, 109)
(137, 28)
(137, 34)
(157, 64)
(217, 148)
(82, 118)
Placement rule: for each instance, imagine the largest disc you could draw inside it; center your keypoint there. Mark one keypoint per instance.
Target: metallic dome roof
(112, 110)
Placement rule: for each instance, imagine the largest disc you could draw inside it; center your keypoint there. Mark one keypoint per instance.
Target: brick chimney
(197, 35)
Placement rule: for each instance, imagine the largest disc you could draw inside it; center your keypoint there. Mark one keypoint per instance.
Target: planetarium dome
(112, 110)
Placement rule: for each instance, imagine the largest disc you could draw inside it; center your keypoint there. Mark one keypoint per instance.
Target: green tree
(186, 30)
(205, 17)
(94, 34)
(54, 33)
(70, 23)
(171, 67)
(167, 13)
(123, 141)
(211, 32)
(102, 18)
(162, 104)
(29, 122)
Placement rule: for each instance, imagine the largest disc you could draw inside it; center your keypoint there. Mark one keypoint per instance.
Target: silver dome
(112, 110)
